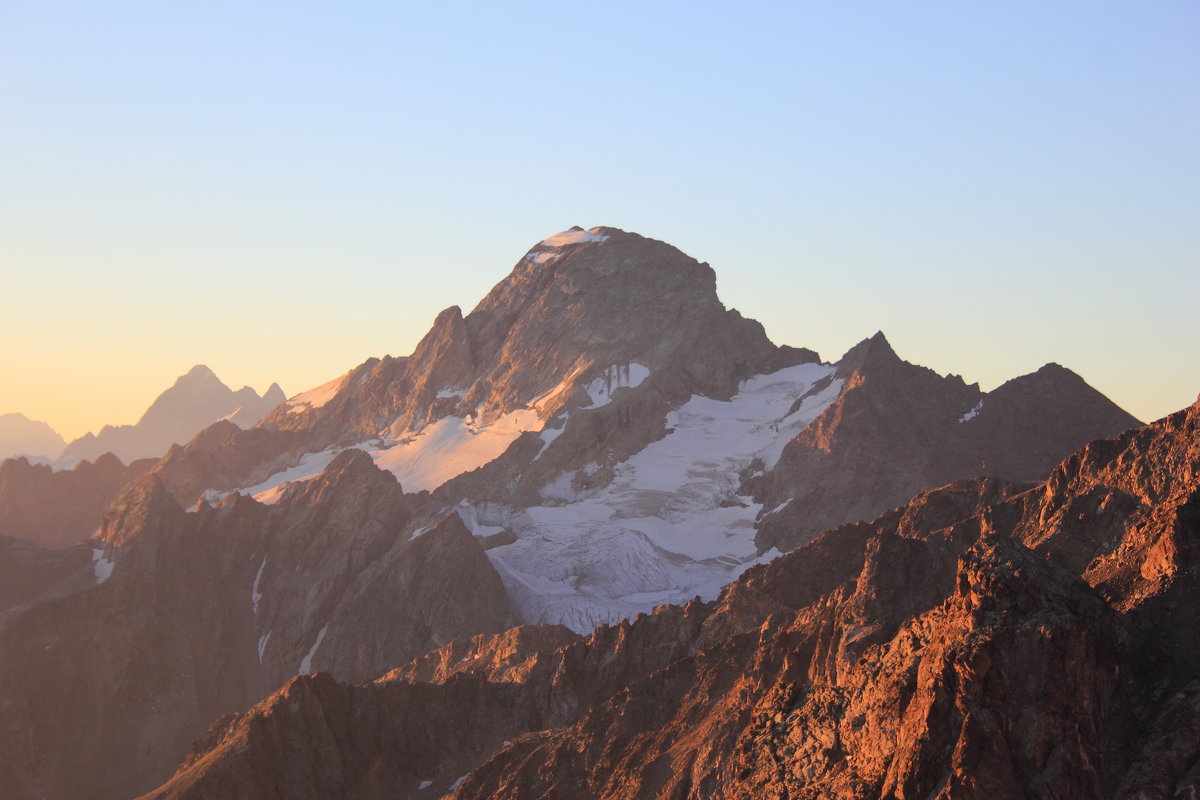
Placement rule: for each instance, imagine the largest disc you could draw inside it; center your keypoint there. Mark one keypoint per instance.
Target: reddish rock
(929, 653)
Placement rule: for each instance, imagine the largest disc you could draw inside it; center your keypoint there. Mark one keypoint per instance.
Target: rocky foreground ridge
(984, 640)
(56, 509)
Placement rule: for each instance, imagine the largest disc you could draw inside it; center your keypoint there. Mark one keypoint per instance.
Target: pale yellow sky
(993, 186)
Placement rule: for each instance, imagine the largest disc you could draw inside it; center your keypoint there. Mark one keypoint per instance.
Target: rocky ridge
(57, 509)
(897, 428)
(190, 615)
(984, 640)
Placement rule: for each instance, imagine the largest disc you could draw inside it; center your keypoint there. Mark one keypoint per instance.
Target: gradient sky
(282, 190)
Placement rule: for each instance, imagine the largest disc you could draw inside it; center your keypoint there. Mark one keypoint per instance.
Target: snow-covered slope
(669, 526)
(420, 460)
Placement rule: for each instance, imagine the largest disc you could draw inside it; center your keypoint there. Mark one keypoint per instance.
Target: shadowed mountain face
(599, 437)
(195, 401)
(59, 509)
(191, 615)
(981, 641)
(897, 428)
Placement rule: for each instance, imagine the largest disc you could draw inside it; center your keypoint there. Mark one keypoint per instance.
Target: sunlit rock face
(983, 640)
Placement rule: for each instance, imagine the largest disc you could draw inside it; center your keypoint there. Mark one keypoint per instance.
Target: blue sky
(283, 191)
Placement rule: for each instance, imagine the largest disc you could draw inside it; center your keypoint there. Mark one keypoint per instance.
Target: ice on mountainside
(670, 525)
(427, 458)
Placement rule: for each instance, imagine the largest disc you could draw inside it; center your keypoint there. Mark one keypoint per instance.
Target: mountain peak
(200, 372)
(20, 435)
(194, 401)
(875, 350)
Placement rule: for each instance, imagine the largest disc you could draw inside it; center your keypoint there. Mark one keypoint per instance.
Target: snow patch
(425, 785)
(615, 377)
(543, 401)
(545, 250)
(210, 496)
(459, 782)
(262, 645)
(787, 428)
(444, 449)
(316, 398)
(102, 565)
(311, 465)
(306, 662)
(973, 413)
(452, 446)
(548, 435)
(573, 237)
(445, 393)
(779, 507)
(256, 595)
(467, 514)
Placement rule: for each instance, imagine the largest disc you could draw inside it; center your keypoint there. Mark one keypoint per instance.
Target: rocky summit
(600, 537)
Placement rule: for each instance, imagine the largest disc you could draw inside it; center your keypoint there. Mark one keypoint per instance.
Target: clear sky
(282, 190)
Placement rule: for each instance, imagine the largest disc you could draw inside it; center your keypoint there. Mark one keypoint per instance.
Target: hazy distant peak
(194, 401)
(20, 435)
(199, 372)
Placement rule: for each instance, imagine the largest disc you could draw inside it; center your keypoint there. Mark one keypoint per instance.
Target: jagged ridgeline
(984, 640)
(599, 437)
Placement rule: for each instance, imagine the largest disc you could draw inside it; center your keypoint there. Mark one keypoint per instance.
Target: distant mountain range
(22, 436)
(57, 500)
(196, 400)
(599, 438)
